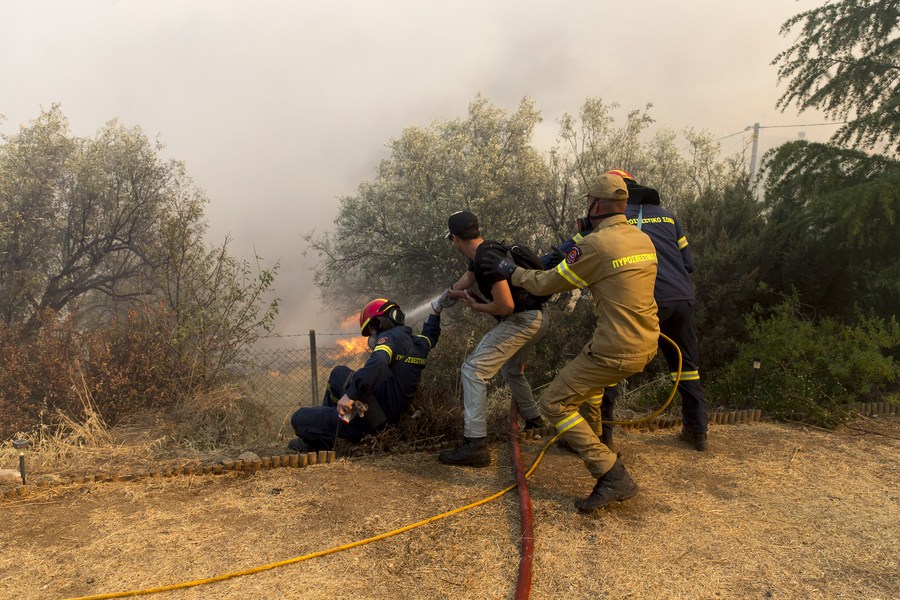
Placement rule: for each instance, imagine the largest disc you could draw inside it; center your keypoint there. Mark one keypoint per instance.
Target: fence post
(314, 370)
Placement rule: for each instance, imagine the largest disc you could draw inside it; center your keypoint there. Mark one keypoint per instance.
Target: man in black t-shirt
(505, 348)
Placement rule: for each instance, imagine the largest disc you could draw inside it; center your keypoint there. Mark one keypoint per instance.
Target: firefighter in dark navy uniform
(361, 402)
(617, 263)
(674, 295)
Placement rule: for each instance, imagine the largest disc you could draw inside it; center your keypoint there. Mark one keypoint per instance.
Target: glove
(443, 301)
(501, 265)
(554, 257)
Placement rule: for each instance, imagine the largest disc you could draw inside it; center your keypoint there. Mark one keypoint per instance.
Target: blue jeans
(505, 348)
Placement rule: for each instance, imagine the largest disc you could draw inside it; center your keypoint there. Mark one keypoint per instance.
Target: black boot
(615, 485)
(607, 438)
(471, 453)
(298, 445)
(697, 441)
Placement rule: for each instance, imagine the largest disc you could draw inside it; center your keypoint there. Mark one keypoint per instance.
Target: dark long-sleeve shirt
(394, 369)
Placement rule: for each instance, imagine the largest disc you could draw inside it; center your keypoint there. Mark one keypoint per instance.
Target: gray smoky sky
(279, 108)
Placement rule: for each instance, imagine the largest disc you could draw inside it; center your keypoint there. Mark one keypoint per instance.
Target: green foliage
(79, 215)
(725, 229)
(833, 228)
(219, 305)
(846, 62)
(812, 369)
(389, 238)
(106, 222)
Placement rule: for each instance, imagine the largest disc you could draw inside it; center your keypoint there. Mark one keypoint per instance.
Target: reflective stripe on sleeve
(598, 399)
(569, 422)
(682, 242)
(385, 348)
(569, 275)
(427, 339)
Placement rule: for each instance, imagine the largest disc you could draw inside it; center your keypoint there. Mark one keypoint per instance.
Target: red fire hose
(523, 586)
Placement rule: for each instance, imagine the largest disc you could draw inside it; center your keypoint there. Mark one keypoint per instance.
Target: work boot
(615, 485)
(697, 441)
(471, 453)
(298, 445)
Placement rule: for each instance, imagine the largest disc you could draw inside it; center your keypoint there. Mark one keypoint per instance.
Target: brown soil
(771, 511)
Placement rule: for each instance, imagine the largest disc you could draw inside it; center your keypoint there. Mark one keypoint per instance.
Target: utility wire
(749, 127)
(291, 335)
(730, 135)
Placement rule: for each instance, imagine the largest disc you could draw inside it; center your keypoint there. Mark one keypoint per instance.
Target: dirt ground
(771, 511)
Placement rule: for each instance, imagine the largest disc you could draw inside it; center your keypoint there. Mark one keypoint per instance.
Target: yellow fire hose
(381, 536)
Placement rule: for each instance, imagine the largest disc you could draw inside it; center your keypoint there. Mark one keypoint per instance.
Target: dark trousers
(319, 425)
(676, 320)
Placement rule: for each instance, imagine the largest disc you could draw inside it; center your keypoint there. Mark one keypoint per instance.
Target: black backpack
(524, 257)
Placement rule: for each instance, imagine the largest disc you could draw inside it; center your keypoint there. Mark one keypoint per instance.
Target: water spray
(418, 315)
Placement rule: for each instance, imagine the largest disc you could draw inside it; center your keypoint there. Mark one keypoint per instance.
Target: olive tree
(105, 222)
(389, 237)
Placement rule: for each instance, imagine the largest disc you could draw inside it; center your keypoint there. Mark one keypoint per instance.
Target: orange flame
(353, 346)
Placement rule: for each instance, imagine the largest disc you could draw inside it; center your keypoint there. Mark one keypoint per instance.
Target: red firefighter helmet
(378, 315)
(621, 173)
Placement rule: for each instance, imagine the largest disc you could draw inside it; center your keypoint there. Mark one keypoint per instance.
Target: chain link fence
(285, 373)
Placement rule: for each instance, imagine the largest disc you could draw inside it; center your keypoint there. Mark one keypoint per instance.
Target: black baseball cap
(464, 224)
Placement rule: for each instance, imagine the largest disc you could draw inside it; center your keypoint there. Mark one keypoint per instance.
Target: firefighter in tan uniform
(617, 263)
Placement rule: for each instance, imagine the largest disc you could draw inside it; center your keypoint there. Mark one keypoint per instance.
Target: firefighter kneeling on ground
(363, 402)
(617, 263)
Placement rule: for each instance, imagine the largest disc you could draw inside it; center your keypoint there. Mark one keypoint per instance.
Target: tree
(107, 223)
(725, 228)
(106, 280)
(80, 215)
(846, 62)
(833, 228)
(390, 236)
(591, 145)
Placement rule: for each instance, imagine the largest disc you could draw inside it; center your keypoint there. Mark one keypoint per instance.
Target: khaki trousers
(577, 383)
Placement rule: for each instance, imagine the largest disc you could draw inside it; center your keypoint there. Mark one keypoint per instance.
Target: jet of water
(418, 315)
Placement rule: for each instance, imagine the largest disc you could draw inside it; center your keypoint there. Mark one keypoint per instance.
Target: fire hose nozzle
(359, 409)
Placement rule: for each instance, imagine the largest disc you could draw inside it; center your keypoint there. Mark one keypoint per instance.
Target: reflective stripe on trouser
(592, 409)
(676, 321)
(509, 342)
(598, 409)
(569, 391)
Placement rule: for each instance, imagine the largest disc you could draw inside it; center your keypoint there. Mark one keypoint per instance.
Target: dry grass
(212, 425)
(772, 511)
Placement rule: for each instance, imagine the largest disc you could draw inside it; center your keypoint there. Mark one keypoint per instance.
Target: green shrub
(812, 369)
